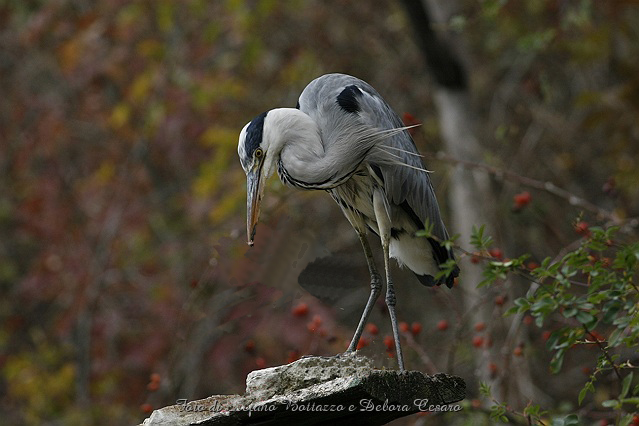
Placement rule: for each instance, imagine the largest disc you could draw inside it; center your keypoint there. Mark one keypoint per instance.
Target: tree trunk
(472, 203)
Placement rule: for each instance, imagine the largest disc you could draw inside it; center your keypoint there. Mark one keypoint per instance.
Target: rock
(344, 389)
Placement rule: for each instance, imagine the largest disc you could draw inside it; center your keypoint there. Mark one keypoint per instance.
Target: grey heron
(345, 139)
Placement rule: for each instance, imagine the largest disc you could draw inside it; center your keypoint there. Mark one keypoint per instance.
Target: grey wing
(342, 106)
(407, 186)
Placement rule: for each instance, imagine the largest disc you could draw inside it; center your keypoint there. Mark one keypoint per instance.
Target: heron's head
(258, 166)
(262, 142)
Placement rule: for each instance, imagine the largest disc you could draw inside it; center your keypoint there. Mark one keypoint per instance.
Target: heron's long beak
(254, 193)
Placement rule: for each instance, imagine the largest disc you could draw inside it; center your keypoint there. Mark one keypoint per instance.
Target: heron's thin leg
(384, 226)
(391, 301)
(376, 289)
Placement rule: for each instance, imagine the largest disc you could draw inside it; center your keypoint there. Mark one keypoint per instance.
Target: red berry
(300, 310)
(317, 320)
(415, 328)
(363, 342)
(442, 325)
(146, 408)
(492, 367)
(546, 335)
(518, 351)
(480, 326)
(475, 259)
(586, 371)
(410, 120)
(528, 320)
(404, 327)
(500, 300)
(478, 341)
(155, 377)
(635, 420)
(496, 253)
(522, 200)
(389, 342)
(532, 265)
(582, 228)
(249, 346)
(260, 362)
(372, 329)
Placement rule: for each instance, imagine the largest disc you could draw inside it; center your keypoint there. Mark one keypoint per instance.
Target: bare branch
(547, 186)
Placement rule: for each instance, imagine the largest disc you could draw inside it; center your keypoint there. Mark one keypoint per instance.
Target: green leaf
(625, 385)
(427, 231)
(613, 340)
(610, 403)
(582, 395)
(484, 389)
(626, 420)
(585, 317)
(478, 240)
(634, 401)
(571, 420)
(557, 361)
(570, 312)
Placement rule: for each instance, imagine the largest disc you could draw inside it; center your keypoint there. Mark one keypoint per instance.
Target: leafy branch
(604, 301)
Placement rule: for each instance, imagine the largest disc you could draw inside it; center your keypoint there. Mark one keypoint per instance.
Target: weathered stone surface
(344, 389)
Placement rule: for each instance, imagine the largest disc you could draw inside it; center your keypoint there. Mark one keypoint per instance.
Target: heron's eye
(258, 153)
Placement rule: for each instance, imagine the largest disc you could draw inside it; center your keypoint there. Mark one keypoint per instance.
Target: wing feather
(407, 184)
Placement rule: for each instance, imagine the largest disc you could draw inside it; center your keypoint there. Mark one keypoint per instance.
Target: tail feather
(441, 255)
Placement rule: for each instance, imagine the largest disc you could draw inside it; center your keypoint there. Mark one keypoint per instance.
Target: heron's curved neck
(295, 142)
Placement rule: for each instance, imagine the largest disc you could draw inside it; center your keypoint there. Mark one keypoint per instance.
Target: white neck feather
(295, 138)
(322, 160)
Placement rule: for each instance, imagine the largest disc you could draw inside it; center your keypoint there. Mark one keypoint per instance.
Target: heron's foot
(353, 346)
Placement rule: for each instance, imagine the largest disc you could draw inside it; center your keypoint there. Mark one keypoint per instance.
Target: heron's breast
(356, 195)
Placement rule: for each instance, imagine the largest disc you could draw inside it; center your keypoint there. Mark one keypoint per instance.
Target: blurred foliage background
(125, 275)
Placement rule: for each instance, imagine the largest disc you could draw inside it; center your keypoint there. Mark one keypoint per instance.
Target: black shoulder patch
(347, 100)
(254, 134)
